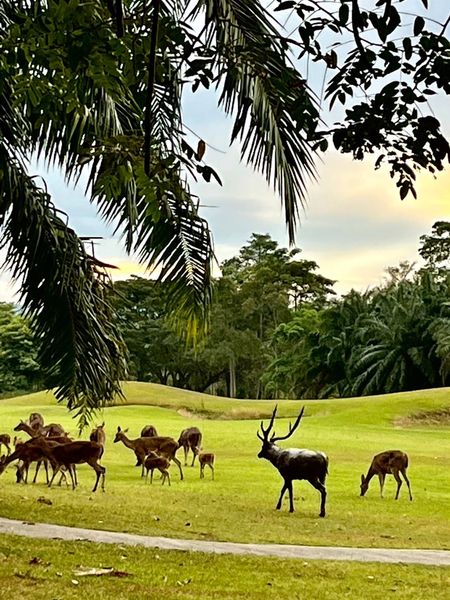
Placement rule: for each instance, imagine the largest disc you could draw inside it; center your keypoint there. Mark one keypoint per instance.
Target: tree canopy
(97, 88)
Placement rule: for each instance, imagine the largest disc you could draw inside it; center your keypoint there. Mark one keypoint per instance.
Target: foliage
(19, 369)
(97, 88)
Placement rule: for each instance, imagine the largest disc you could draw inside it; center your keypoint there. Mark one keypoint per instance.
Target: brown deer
(206, 458)
(165, 446)
(391, 462)
(155, 461)
(5, 440)
(73, 453)
(149, 431)
(98, 435)
(190, 439)
(294, 463)
(51, 430)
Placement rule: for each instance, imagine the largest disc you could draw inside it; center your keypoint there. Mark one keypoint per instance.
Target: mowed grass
(239, 505)
(47, 569)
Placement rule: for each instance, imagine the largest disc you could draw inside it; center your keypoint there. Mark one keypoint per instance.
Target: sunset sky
(354, 225)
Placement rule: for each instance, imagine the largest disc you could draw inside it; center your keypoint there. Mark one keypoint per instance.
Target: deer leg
(201, 471)
(151, 475)
(381, 477)
(100, 471)
(46, 471)
(193, 458)
(38, 466)
(55, 472)
(399, 483)
(8, 450)
(177, 462)
(323, 494)
(407, 483)
(186, 450)
(212, 471)
(283, 489)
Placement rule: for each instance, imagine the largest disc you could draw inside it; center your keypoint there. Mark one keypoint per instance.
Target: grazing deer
(206, 458)
(190, 439)
(5, 440)
(294, 463)
(98, 435)
(149, 431)
(73, 453)
(164, 446)
(154, 461)
(391, 462)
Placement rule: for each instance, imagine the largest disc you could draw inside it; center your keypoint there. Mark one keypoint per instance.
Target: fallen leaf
(44, 500)
(75, 582)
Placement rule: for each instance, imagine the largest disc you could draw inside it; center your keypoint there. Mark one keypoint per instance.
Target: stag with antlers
(294, 463)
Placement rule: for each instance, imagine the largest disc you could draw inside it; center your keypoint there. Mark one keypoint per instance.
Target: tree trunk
(232, 378)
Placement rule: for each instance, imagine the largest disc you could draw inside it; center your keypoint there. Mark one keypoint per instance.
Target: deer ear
(118, 429)
(125, 430)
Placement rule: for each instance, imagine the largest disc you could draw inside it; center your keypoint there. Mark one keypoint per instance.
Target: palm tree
(97, 87)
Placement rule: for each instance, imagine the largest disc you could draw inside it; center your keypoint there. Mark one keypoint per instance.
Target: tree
(19, 369)
(97, 88)
(435, 248)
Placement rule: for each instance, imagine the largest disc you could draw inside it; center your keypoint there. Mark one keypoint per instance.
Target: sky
(354, 224)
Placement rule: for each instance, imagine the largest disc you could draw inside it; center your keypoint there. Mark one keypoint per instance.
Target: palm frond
(274, 115)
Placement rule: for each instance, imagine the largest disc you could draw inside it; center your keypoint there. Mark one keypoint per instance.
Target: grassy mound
(239, 504)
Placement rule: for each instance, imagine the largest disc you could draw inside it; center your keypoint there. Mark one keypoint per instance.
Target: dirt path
(385, 555)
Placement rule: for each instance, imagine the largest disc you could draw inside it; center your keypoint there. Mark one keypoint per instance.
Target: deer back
(149, 431)
(190, 437)
(162, 445)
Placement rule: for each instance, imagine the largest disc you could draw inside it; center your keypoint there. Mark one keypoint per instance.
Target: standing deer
(98, 435)
(5, 440)
(190, 439)
(149, 431)
(294, 463)
(165, 446)
(73, 453)
(206, 458)
(154, 461)
(391, 462)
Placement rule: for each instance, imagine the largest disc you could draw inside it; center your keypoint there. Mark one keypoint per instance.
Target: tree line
(277, 329)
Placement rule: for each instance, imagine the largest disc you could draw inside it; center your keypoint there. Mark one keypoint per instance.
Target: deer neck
(273, 454)
(127, 442)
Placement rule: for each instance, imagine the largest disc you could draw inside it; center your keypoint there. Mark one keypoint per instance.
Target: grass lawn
(47, 569)
(239, 504)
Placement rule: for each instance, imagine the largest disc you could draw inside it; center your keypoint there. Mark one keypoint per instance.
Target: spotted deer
(391, 462)
(294, 463)
(155, 461)
(164, 446)
(190, 439)
(5, 440)
(206, 458)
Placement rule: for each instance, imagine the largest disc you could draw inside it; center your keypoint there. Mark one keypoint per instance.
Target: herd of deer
(51, 444)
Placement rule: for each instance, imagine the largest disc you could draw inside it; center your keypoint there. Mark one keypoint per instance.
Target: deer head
(120, 435)
(268, 443)
(22, 426)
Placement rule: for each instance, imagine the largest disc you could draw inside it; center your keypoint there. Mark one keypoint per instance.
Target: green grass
(239, 504)
(45, 569)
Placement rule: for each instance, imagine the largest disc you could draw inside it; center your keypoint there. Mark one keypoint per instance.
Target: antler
(292, 428)
(266, 432)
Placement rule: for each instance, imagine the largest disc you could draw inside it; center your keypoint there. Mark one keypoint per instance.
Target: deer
(294, 463)
(190, 439)
(206, 458)
(155, 461)
(28, 452)
(165, 446)
(5, 440)
(149, 431)
(98, 435)
(36, 421)
(391, 462)
(51, 430)
(73, 453)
